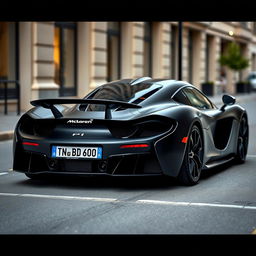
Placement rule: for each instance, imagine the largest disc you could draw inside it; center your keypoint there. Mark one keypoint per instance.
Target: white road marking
(218, 205)
(8, 194)
(161, 202)
(3, 173)
(156, 202)
(195, 204)
(62, 197)
(251, 155)
(250, 207)
(71, 197)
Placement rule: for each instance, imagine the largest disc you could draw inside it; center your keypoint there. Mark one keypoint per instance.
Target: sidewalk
(240, 98)
(8, 122)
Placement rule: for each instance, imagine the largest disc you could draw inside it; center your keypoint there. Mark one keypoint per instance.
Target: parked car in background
(252, 79)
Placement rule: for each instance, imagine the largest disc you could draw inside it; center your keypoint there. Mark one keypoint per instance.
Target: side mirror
(227, 100)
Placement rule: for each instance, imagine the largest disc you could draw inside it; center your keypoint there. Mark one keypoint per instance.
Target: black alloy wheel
(193, 160)
(242, 141)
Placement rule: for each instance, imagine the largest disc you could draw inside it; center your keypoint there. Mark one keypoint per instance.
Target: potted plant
(208, 88)
(243, 87)
(234, 60)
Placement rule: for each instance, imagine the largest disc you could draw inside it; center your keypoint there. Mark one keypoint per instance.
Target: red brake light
(184, 140)
(30, 143)
(135, 146)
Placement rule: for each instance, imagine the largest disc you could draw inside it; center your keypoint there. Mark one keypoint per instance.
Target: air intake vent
(145, 96)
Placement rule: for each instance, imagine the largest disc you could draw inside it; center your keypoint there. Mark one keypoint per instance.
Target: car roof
(167, 88)
(171, 84)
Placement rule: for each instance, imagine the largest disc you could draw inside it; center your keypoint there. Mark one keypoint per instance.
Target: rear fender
(170, 149)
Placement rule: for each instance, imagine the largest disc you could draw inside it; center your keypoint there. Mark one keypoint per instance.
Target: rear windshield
(123, 92)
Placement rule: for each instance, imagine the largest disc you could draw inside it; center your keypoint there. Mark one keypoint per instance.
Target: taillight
(135, 146)
(184, 140)
(30, 143)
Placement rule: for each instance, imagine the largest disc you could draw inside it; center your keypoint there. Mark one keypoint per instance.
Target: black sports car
(131, 127)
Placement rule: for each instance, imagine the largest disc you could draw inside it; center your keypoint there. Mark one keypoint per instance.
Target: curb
(6, 135)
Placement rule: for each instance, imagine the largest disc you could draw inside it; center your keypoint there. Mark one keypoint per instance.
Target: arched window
(65, 57)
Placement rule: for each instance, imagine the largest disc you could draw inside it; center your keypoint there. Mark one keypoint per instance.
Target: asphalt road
(224, 201)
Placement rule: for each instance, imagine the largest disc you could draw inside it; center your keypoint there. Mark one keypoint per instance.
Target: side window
(180, 97)
(197, 99)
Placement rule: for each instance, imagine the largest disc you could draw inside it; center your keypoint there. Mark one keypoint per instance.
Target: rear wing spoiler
(49, 103)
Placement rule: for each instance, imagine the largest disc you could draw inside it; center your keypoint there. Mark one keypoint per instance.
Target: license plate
(77, 152)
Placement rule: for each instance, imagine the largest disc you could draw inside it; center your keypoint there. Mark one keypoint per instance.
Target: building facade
(69, 59)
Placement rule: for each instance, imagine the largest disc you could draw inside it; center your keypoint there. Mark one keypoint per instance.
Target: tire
(242, 141)
(193, 159)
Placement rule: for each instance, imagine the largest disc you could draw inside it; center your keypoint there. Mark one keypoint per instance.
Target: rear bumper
(110, 147)
(143, 164)
(116, 161)
(162, 156)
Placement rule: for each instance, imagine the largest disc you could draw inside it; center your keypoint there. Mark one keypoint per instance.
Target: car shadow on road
(206, 174)
(106, 182)
(99, 183)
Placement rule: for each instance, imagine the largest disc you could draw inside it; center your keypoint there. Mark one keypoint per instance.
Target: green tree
(233, 59)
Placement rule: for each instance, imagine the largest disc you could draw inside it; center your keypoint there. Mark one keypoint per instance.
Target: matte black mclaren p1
(131, 127)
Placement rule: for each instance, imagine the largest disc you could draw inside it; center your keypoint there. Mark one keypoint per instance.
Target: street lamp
(231, 33)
